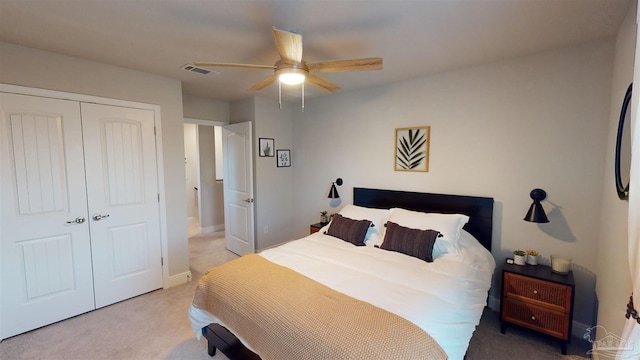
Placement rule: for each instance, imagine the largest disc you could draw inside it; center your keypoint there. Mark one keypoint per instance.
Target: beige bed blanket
(282, 314)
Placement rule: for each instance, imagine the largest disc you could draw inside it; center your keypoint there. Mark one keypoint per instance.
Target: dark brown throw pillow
(348, 229)
(413, 242)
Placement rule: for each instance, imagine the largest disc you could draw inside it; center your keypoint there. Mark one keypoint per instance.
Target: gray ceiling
(415, 38)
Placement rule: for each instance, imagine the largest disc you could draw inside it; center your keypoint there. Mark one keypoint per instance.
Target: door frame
(24, 90)
(204, 122)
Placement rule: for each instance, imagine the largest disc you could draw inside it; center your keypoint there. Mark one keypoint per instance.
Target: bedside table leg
(503, 327)
(564, 348)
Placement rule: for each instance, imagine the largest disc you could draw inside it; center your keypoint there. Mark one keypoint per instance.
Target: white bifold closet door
(79, 214)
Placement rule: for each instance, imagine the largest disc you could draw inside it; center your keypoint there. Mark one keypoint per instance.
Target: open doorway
(204, 176)
(204, 190)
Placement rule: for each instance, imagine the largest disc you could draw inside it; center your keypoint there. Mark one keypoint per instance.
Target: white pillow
(449, 225)
(378, 217)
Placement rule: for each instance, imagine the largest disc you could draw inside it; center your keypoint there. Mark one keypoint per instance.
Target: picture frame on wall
(412, 149)
(266, 147)
(283, 157)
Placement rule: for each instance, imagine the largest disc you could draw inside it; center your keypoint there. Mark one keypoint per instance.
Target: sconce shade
(536, 212)
(333, 192)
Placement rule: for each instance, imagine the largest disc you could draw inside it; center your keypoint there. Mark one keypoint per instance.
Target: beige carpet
(156, 326)
(151, 326)
(517, 343)
(206, 251)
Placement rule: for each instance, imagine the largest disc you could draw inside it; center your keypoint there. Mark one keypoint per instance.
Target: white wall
(273, 186)
(35, 68)
(497, 130)
(196, 107)
(614, 282)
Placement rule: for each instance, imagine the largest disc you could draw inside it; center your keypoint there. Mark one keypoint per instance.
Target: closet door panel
(123, 201)
(46, 255)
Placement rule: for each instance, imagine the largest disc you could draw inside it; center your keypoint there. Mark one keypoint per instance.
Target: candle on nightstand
(560, 264)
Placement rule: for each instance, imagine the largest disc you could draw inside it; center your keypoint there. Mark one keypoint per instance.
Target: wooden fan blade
(346, 65)
(321, 83)
(288, 44)
(264, 83)
(250, 66)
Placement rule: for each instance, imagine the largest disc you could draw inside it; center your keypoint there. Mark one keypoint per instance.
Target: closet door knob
(97, 217)
(78, 220)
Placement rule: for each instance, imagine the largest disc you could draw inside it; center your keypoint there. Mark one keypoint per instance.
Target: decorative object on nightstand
(324, 217)
(314, 228)
(536, 211)
(532, 257)
(560, 264)
(519, 257)
(333, 192)
(536, 298)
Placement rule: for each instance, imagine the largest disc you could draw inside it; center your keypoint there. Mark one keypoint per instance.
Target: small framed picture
(283, 157)
(266, 147)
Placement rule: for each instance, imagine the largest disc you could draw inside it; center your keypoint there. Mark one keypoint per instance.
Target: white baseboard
(577, 330)
(178, 279)
(210, 229)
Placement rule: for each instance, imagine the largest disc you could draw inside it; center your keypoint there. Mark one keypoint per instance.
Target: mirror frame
(622, 189)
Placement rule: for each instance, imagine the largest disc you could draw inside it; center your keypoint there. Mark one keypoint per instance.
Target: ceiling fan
(292, 69)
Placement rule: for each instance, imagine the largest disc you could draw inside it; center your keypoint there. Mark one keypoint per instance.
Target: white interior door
(123, 201)
(45, 254)
(238, 188)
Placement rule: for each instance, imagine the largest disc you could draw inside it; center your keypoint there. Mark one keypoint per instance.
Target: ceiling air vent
(199, 70)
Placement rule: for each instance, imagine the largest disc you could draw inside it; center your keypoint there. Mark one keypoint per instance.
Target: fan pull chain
(280, 94)
(303, 96)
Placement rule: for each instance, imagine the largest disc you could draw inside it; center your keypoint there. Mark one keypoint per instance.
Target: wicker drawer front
(549, 293)
(545, 321)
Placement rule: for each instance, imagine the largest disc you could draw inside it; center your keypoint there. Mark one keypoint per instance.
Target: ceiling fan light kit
(291, 69)
(291, 73)
(291, 76)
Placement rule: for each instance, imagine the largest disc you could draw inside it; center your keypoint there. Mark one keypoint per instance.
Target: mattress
(445, 297)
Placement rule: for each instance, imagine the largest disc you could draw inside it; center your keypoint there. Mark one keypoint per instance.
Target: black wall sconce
(333, 192)
(536, 212)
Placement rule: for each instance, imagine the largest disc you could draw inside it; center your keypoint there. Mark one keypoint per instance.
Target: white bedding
(445, 298)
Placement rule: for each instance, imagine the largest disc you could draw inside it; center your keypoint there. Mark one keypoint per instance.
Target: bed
(384, 297)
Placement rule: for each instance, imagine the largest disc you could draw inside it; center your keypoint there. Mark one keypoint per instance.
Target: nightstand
(316, 227)
(536, 298)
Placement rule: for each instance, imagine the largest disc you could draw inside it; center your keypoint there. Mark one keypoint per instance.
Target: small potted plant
(532, 257)
(519, 257)
(324, 218)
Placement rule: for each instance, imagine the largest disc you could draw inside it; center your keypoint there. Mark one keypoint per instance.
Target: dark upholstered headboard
(479, 209)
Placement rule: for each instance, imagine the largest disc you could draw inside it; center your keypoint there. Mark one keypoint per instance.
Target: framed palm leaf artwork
(412, 149)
